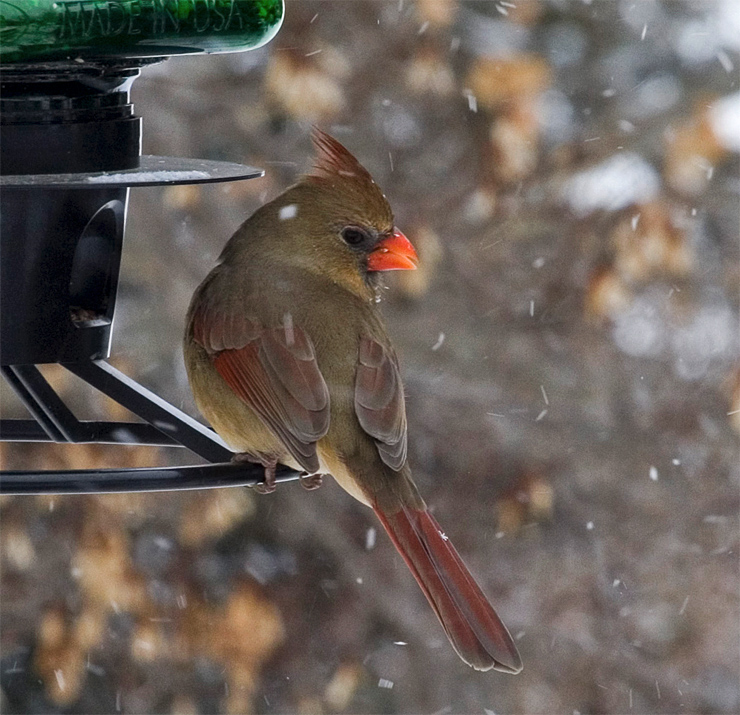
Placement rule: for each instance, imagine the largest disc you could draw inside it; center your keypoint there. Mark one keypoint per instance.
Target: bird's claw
(265, 487)
(269, 484)
(311, 481)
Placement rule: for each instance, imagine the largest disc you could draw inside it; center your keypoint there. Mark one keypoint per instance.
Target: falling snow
(370, 535)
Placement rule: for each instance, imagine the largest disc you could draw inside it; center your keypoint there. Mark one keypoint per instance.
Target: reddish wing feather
(379, 403)
(289, 354)
(274, 371)
(292, 423)
(215, 330)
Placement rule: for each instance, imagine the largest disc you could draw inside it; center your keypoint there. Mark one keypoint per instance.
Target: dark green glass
(42, 30)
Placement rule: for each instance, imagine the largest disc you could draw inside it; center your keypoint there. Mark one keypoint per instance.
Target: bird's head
(336, 222)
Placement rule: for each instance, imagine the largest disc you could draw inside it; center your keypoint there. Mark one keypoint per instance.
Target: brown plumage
(290, 362)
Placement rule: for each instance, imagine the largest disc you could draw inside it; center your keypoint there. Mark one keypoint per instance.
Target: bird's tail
(471, 624)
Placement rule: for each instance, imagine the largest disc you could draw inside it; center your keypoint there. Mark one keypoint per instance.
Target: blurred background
(568, 171)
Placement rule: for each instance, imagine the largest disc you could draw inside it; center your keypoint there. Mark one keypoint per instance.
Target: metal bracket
(166, 426)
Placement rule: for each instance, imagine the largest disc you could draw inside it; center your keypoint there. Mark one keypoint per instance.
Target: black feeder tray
(69, 151)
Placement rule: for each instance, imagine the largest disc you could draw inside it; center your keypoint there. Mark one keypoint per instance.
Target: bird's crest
(334, 161)
(352, 193)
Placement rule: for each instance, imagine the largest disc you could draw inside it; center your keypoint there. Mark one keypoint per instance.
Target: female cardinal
(289, 361)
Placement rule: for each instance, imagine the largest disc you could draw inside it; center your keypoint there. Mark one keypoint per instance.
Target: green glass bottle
(46, 30)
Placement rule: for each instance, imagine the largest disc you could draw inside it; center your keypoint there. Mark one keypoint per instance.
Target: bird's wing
(379, 402)
(274, 371)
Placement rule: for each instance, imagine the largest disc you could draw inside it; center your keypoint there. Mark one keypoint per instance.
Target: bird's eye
(354, 236)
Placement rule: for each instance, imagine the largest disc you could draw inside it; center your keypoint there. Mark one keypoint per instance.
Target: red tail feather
(471, 624)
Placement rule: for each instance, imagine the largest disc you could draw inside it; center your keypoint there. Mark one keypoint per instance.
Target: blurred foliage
(569, 172)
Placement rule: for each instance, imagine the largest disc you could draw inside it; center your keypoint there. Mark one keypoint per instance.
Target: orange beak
(394, 253)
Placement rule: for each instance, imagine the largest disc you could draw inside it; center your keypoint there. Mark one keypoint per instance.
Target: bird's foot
(311, 481)
(268, 485)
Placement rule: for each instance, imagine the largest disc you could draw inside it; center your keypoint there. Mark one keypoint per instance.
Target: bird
(290, 362)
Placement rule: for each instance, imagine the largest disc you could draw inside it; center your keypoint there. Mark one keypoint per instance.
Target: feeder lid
(152, 171)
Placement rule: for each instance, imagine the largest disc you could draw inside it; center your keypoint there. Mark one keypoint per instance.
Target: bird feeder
(69, 153)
